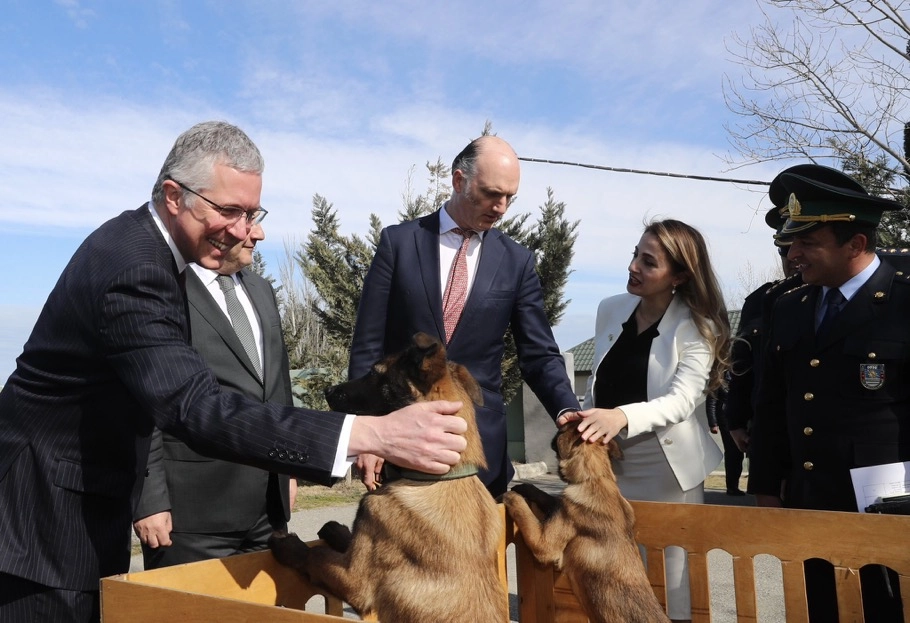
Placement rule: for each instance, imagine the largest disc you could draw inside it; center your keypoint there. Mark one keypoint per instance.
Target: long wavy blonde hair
(686, 248)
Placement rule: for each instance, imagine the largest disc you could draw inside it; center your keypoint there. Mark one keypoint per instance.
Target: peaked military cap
(815, 195)
(775, 218)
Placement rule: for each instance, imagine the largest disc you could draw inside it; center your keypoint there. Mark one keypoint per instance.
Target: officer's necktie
(240, 321)
(457, 288)
(834, 300)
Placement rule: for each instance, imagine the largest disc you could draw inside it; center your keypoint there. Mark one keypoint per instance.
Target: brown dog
(422, 548)
(588, 532)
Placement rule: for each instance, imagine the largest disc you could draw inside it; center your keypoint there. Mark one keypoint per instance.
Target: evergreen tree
(878, 179)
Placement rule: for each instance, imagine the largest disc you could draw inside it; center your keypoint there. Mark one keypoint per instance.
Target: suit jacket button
(283, 454)
(808, 466)
(304, 457)
(273, 453)
(808, 396)
(808, 431)
(292, 456)
(814, 363)
(668, 442)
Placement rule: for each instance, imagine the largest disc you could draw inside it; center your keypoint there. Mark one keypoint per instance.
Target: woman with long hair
(660, 348)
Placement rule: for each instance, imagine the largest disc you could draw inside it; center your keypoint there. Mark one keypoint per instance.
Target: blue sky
(345, 98)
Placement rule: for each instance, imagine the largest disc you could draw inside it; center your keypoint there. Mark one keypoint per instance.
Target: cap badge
(793, 205)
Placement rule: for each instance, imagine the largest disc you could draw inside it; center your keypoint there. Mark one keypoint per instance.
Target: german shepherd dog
(588, 533)
(423, 548)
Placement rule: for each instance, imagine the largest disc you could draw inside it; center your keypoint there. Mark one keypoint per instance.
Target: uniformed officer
(835, 386)
(746, 349)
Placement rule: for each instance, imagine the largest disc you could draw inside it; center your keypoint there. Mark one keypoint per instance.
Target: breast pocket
(876, 370)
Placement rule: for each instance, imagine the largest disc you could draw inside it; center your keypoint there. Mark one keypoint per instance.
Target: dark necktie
(834, 300)
(240, 321)
(457, 288)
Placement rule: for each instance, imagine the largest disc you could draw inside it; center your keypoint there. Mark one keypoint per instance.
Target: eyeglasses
(231, 214)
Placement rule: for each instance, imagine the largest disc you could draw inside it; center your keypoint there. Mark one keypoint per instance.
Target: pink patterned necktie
(457, 288)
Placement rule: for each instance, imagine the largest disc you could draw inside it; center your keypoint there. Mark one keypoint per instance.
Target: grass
(317, 496)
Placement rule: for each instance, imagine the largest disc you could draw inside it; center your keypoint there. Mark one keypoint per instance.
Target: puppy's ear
(426, 343)
(470, 385)
(424, 347)
(614, 451)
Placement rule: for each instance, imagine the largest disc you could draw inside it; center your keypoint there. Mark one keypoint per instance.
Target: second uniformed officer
(835, 390)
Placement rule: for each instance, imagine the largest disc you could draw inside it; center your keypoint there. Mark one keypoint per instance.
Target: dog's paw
(288, 549)
(543, 500)
(336, 535)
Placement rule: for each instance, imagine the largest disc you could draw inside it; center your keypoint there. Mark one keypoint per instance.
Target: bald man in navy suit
(403, 294)
(109, 360)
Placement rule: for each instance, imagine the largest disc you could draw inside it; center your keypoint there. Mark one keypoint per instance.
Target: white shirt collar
(447, 223)
(178, 258)
(206, 275)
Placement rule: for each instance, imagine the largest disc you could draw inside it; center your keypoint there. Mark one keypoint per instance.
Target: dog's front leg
(546, 539)
(290, 551)
(345, 575)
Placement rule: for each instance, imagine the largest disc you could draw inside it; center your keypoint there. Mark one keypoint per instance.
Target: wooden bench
(848, 540)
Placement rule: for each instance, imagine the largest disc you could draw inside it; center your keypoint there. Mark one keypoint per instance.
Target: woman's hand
(601, 424)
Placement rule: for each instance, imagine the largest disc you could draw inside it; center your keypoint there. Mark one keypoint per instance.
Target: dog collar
(461, 471)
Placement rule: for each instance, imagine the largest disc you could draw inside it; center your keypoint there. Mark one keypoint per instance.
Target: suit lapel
(491, 256)
(861, 308)
(201, 300)
(426, 240)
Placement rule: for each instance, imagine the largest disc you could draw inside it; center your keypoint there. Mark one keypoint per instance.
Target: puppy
(422, 548)
(588, 533)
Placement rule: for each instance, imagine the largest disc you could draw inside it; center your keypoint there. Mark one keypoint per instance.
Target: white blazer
(678, 370)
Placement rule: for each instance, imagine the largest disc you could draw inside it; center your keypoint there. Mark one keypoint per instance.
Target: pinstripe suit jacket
(108, 359)
(208, 495)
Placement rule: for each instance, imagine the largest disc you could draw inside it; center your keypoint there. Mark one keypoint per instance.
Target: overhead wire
(706, 178)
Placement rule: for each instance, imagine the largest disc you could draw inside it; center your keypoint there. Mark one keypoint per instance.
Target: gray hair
(195, 153)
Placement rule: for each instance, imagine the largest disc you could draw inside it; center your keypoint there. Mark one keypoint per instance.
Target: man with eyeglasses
(109, 360)
(413, 285)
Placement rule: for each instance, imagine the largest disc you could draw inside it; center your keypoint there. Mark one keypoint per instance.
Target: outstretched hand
(601, 424)
(425, 436)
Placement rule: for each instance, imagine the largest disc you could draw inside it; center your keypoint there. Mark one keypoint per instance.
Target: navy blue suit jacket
(108, 359)
(402, 295)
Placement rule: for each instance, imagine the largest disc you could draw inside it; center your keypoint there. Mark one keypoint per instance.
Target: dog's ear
(470, 385)
(426, 343)
(614, 451)
(424, 347)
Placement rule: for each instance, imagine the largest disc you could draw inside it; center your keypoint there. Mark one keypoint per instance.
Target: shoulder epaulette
(786, 282)
(791, 290)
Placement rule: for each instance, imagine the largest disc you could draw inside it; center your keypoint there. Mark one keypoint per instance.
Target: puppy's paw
(544, 501)
(336, 535)
(288, 549)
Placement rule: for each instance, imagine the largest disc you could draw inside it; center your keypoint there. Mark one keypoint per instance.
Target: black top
(622, 376)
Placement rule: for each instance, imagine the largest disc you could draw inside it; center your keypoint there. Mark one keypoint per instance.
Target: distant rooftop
(584, 352)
